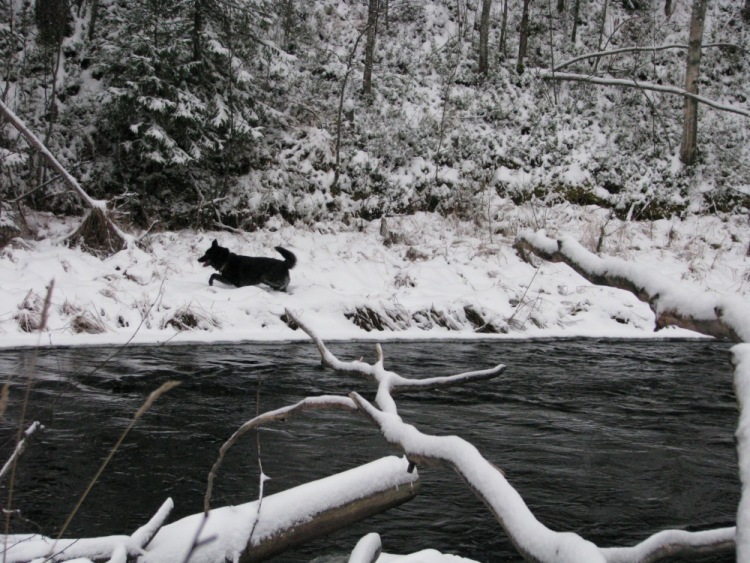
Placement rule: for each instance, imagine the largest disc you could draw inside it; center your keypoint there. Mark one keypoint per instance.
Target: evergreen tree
(180, 120)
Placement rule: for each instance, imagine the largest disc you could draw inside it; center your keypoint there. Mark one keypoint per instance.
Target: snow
(430, 269)
(413, 272)
(281, 511)
(741, 358)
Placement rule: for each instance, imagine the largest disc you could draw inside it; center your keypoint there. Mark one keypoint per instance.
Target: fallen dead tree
(285, 519)
(713, 315)
(533, 540)
(718, 316)
(98, 233)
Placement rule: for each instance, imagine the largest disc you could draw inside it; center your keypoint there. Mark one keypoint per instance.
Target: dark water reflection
(611, 439)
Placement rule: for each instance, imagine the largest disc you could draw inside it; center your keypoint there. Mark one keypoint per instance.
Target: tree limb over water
(533, 540)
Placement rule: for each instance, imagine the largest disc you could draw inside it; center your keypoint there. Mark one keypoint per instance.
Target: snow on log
(713, 315)
(741, 360)
(287, 519)
(367, 550)
(21, 548)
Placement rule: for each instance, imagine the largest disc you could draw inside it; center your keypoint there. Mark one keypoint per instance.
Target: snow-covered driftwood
(534, 541)
(713, 315)
(33, 547)
(719, 316)
(286, 519)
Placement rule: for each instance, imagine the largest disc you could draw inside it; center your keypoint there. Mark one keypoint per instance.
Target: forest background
(188, 113)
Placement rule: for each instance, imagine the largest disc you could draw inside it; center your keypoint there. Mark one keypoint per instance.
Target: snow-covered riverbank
(423, 277)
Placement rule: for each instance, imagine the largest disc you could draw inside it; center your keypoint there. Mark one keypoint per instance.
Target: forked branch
(533, 540)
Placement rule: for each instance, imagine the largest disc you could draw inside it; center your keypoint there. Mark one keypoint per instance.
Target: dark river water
(614, 440)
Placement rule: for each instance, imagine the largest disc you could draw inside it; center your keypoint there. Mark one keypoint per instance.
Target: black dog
(248, 270)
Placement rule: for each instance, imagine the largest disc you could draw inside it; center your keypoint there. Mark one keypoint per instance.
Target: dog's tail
(289, 258)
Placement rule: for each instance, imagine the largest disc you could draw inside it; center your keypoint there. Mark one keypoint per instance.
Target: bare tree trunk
(339, 121)
(523, 40)
(93, 19)
(601, 32)
(692, 72)
(668, 8)
(197, 30)
(576, 13)
(746, 11)
(504, 28)
(372, 33)
(484, 37)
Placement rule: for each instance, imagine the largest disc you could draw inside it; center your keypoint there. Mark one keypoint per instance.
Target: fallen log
(231, 533)
(287, 519)
(717, 316)
(98, 232)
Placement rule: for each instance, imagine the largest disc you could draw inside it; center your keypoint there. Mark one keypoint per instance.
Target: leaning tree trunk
(695, 44)
(107, 236)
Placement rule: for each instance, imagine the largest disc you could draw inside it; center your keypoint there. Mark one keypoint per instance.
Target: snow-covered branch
(98, 207)
(714, 315)
(741, 360)
(21, 446)
(390, 382)
(24, 548)
(672, 543)
(535, 541)
(554, 75)
(613, 52)
(278, 415)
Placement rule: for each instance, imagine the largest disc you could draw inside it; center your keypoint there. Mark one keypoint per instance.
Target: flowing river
(611, 439)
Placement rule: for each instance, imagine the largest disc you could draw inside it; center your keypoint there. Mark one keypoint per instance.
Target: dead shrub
(29, 315)
(190, 317)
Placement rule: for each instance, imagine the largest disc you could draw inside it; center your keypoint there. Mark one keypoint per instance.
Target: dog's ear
(216, 243)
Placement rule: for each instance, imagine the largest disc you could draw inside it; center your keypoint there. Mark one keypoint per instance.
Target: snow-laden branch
(31, 547)
(613, 52)
(96, 205)
(534, 541)
(714, 315)
(672, 543)
(554, 75)
(21, 446)
(367, 550)
(741, 360)
(278, 415)
(390, 382)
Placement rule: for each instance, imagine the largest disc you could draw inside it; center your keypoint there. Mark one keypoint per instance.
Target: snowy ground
(422, 277)
(429, 277)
